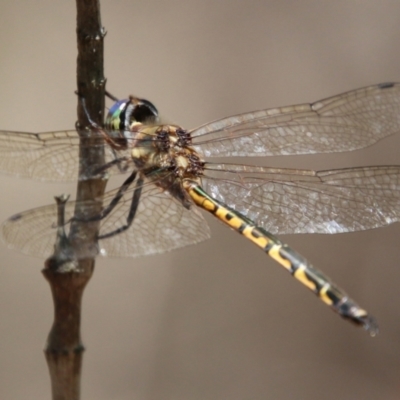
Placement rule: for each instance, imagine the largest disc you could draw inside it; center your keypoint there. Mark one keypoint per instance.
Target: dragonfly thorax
(164, 156)
(166, 148)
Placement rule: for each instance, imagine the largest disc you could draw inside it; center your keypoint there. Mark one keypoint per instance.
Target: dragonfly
(170, 179)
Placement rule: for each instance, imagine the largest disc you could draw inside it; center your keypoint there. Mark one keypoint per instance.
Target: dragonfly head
(125, 112)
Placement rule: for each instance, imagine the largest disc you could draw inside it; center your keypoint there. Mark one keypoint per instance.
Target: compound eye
(116, 116)
(125, 112)
(144, 112)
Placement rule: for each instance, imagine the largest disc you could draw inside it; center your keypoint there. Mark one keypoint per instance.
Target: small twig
(110, 96)
(65, 271)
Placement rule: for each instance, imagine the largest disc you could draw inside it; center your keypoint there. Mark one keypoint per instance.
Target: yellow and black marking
(296, 264)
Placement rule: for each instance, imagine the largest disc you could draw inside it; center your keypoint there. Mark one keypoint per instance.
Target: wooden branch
(65, 271)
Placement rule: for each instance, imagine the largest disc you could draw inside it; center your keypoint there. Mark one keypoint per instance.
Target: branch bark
(67, 273)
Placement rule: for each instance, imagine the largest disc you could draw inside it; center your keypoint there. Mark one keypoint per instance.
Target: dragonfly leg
(92, 123)
(124, 187)
(118, 161)
(105, 167)
(134, 206)
(293, 262)
(112, 143)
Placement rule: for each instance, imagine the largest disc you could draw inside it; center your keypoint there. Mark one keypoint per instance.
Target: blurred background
(218, 320)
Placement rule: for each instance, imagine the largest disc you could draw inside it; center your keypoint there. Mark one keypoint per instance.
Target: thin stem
(66, 273)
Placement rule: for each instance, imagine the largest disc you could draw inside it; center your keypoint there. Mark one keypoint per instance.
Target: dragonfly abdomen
(292, 261)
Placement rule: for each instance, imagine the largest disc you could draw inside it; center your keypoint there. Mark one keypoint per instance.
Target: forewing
(50, 156)
(348, 121)
(300, 201)
(161, 224)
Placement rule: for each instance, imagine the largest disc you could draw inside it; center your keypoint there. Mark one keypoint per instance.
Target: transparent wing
(51, 156)
(301, 201)
(349, 121)
(345, 122)
(161, 224)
